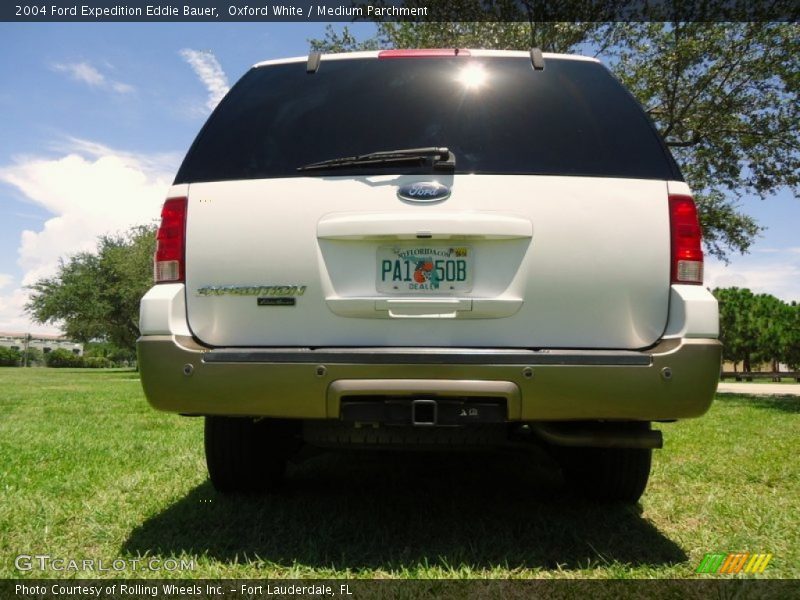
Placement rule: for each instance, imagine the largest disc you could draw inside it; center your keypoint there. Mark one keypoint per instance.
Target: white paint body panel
(560, 262)
(693, 313)
(163, 310)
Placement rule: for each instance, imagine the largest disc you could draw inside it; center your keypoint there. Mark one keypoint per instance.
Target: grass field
(88, 470)
(789, 380)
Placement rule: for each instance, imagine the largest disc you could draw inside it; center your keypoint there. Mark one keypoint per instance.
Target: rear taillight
(168, 264)
(422, 53)
(687, 251)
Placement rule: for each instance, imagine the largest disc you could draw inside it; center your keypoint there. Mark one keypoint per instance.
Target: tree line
(94, 299)
(757, 329)
(96, 355)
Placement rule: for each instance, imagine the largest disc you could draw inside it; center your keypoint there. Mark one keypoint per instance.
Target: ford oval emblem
(424, 191)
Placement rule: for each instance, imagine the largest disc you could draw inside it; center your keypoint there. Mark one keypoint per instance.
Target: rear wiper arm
(439, 158)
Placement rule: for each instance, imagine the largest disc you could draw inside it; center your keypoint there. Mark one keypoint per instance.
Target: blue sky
(95, 118)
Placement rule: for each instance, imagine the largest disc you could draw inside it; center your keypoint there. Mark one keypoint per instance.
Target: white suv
(418, 248)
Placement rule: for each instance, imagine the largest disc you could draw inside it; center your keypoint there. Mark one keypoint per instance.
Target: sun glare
(472, 76)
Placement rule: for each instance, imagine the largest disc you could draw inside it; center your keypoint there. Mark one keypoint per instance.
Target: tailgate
(506, 261)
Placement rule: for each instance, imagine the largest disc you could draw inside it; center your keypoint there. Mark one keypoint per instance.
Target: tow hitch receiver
(423, 412)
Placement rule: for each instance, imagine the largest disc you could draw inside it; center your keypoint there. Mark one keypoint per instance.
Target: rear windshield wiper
(438, 158)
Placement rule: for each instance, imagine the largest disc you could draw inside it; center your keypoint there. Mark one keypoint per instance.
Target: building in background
(43, 343)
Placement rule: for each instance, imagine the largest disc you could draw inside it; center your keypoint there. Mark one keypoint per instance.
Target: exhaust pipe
(598, 437)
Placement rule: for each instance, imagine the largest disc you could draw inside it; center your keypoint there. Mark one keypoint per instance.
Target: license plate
(425, 269)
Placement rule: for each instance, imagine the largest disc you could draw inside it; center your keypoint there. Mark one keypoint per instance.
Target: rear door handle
(424, 307)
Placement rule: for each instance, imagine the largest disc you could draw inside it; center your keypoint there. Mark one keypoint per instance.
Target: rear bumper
(674, 380)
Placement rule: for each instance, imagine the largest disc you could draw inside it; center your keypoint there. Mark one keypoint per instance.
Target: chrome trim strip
(428, 356)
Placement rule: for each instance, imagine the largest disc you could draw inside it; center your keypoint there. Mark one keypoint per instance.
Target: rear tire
(607, 474)
(245, 455)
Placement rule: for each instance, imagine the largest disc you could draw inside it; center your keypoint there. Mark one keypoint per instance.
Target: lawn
(88, 470)
(789, 380)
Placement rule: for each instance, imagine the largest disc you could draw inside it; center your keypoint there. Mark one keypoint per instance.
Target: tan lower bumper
(674, 380)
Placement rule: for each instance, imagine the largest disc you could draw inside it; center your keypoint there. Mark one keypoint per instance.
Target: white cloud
(82, 72)
(86, 73)
(91, 190)
(121, 88)
(12, 315)
(777, 274)
(165, 163)
(5, 279)
(207, 68)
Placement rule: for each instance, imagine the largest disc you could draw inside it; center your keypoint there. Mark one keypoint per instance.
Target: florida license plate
(430, 268)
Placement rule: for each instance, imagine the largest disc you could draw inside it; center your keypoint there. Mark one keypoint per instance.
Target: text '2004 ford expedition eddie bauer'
(426, 249)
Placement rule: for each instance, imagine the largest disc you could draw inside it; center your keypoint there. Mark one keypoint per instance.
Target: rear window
(497, 115)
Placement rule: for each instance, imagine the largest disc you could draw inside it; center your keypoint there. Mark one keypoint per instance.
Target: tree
(60, 357)
(9, 357)
(737, 330)
(109, 352)
(725, 98)
(791, 354)
(758, 328)
(34, 356)
(723, 95)
(550, 37)
(96, 295)
(771, 320)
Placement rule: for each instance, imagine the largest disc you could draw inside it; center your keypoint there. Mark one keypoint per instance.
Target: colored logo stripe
(734, 562)
(758, 563)
(711, 563)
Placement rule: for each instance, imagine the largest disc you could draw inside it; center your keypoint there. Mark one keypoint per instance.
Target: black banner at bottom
(358, 589)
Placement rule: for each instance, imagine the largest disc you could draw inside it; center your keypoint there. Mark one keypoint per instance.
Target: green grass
(88, 470)
(761, 380)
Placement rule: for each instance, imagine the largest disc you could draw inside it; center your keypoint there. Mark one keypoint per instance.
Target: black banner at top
(397, 10)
